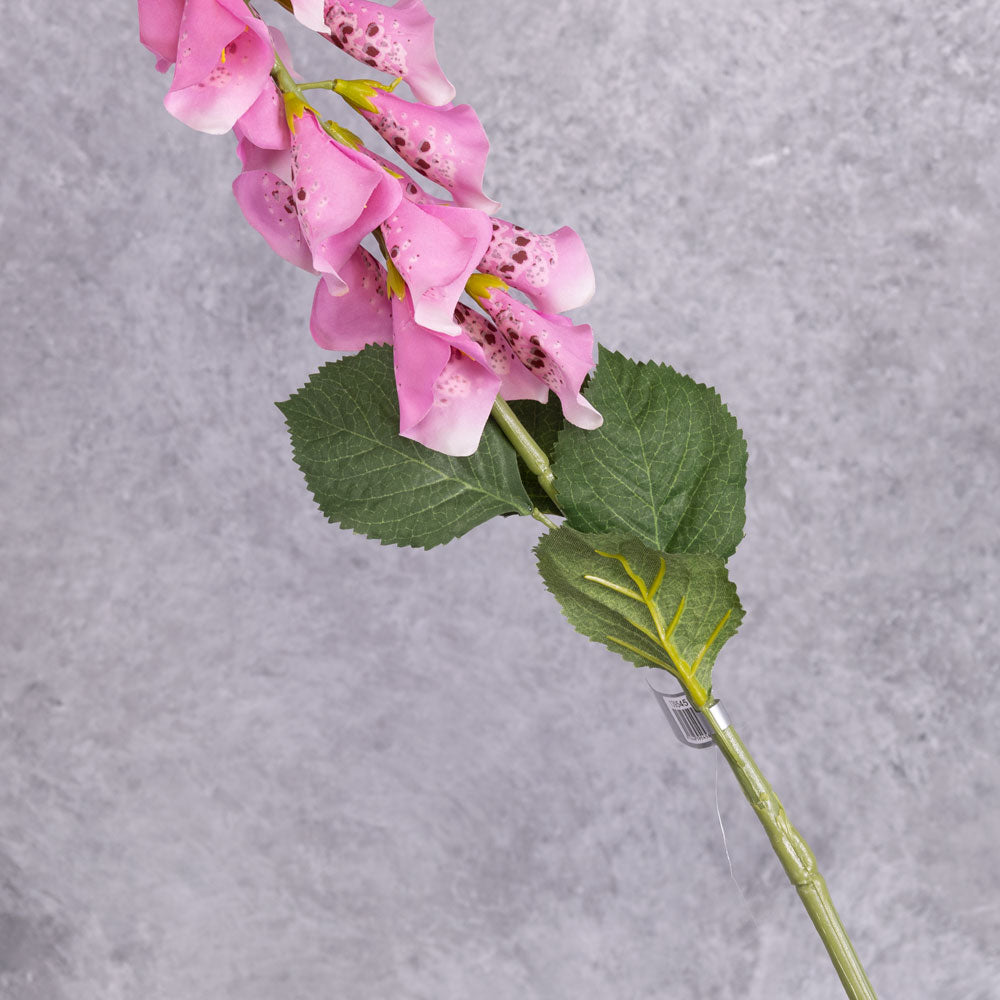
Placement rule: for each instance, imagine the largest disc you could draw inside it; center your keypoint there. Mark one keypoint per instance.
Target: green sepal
(344, 425)
(668, 464)
(656, 609)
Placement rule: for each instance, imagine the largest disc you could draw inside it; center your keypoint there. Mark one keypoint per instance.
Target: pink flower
(268, 204)
(363, 315)
(340, 196)
(360, 316)
(333, 198)
(412, 191)
(445, 386)
(262, 131)
(264, 124)
(446, 383)
(310, 13)
(516, 381)
(557, 352)
(159, 26)
(554, 271)
(223, 53)
(397, 40)
(435, 248)
(447, 145)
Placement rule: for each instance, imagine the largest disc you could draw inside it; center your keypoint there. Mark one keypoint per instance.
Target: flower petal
(464, 394)
(253, 157)
(264, 123)
(310, 13)
(418, 358)
(224, 58)
(267, 203)
(340, 196)
(159, 26)
(516, 381)
(435, 248)
(360, 316)
(552, 348)
(554, 271)
(447, 145)
(412, 191)
(445, 394)
(397, 40)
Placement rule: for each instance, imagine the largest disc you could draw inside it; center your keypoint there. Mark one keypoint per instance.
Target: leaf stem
(796, 858)
(526, 446)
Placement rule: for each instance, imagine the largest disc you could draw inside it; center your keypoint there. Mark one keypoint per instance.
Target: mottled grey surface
(247, 756)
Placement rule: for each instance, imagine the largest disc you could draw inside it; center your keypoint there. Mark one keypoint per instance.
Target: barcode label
(685, 720)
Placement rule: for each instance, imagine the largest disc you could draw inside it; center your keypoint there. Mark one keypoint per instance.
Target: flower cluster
(315, 192)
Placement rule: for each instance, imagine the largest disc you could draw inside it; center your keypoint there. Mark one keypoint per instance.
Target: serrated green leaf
(669, 610)
(668, 465)
(345, 431)
(543, 422)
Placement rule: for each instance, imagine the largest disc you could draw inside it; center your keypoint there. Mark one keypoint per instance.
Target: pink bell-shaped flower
(447, 145)
(554, 271)
(445, 387)
(332, 198)
(397, 40)
(340, 196)
(360, 316)
(559, 353)
(264, 124)
(159, 26)
(435, 248)
(268, 204)
(224, 56)
(516, 381)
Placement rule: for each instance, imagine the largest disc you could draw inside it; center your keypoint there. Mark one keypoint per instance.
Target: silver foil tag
(685, 720)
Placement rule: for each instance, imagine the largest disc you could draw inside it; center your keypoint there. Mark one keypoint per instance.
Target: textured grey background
(247, 756)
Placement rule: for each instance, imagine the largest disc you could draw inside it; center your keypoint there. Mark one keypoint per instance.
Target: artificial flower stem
(526, 446)
(283, 78)
(539, 516)
(796, 858)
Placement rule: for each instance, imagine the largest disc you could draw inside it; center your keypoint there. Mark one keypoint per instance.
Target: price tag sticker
(690, 727)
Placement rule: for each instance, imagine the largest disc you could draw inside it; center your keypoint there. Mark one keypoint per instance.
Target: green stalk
(526, 446)
(795, 856)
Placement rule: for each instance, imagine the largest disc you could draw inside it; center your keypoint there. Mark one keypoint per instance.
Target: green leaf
(668, 610)
(345, 431)
(668, 465)
(542, 421)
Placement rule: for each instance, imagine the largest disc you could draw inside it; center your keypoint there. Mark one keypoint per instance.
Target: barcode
(685, 720)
